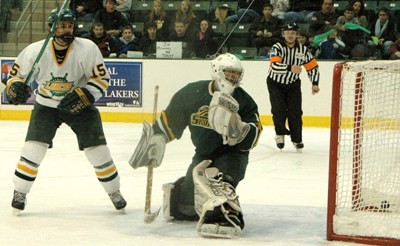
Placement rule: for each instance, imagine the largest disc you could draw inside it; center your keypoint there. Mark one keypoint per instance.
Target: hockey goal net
(364, 171)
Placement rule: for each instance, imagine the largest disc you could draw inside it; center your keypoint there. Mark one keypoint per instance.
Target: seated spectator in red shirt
(105, 42)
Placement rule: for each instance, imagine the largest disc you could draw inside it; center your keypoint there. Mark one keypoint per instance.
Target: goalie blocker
(151, 147)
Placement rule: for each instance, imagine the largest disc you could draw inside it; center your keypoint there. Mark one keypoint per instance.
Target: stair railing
(30, 8)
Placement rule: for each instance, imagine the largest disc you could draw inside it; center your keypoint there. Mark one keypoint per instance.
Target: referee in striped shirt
(284, 85)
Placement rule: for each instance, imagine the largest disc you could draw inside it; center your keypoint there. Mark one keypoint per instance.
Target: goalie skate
(218, 231)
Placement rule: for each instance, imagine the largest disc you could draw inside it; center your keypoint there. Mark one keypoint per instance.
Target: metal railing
(25, 19)
(29, 9)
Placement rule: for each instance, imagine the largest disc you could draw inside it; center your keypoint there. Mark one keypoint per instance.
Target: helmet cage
(221, 66)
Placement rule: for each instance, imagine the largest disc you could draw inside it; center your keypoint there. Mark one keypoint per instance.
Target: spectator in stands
(331, 48)
(127, 41)
(112, 20)
(105, 42)
(395, 50)
(160, 17)
(352, 37)
(204, 43)
(185, 14)
(247, 11)
(358, 6)
(148, 42)
(384, 29)
(124, 6)
(324, 19)
(221, 13)
(85, 10)
(302, 11)
(180, 35)
(265, 30)
(280, 8)
(5, 18)
(304, 38)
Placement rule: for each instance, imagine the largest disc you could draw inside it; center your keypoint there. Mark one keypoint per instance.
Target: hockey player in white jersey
(71, 76)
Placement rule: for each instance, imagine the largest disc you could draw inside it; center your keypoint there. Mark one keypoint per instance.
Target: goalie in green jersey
(224, 124)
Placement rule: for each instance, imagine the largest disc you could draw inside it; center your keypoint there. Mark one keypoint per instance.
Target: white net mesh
(368, 158)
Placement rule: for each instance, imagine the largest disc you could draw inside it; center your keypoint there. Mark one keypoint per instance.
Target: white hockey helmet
(222, 63)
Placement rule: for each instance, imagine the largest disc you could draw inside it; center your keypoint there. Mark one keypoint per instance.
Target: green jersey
(189, 107)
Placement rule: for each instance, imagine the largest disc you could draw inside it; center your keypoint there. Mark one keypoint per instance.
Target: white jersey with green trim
(83, 66)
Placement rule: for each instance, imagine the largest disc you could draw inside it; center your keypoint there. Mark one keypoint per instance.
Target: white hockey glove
(151, 148)
(224, 119)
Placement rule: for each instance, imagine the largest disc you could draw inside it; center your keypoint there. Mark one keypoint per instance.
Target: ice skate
(280, 141)
(299, 146)
(18, 202)
(118, 200)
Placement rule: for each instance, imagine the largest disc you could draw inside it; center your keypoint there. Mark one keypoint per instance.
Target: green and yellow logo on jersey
(58, 86)
(200, 118)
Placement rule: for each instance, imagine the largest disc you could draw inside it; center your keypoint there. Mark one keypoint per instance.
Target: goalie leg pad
(216, 203)
(172, 208)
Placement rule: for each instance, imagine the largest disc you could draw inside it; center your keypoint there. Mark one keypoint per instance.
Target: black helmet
(290, 26)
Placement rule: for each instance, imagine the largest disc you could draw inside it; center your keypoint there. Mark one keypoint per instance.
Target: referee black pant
(286, 104)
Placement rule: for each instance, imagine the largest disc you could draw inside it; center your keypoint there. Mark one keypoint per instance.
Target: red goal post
(364, 158)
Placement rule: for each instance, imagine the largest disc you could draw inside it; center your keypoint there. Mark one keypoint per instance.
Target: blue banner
(124, 90)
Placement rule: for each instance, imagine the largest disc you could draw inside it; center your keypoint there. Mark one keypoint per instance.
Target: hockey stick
(48, 37)
(148, 216)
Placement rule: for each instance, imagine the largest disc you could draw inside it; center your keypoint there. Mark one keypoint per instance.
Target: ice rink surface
(283, 196)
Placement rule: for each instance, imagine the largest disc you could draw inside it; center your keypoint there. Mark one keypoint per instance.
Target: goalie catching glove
(18, 92)
(77, 100)
(151, 148)
(224, 119)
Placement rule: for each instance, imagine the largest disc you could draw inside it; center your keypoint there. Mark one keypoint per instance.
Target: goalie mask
(65, 15)
(227, 71)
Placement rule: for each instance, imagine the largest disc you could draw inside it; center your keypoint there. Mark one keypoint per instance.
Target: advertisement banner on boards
(124, 90)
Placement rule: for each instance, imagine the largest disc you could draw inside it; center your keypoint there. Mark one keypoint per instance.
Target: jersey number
(102, 71)
(14, 69)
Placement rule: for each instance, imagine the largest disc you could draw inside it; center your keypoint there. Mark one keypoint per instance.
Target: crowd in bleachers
(353, 29)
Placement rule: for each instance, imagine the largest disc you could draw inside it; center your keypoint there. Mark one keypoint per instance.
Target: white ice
(283, 196)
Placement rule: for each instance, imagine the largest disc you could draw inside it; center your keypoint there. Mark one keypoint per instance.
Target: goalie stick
(148, 216)
(48, 37)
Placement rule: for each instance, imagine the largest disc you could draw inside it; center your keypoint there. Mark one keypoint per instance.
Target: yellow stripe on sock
(26, 169)
(112, 169)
